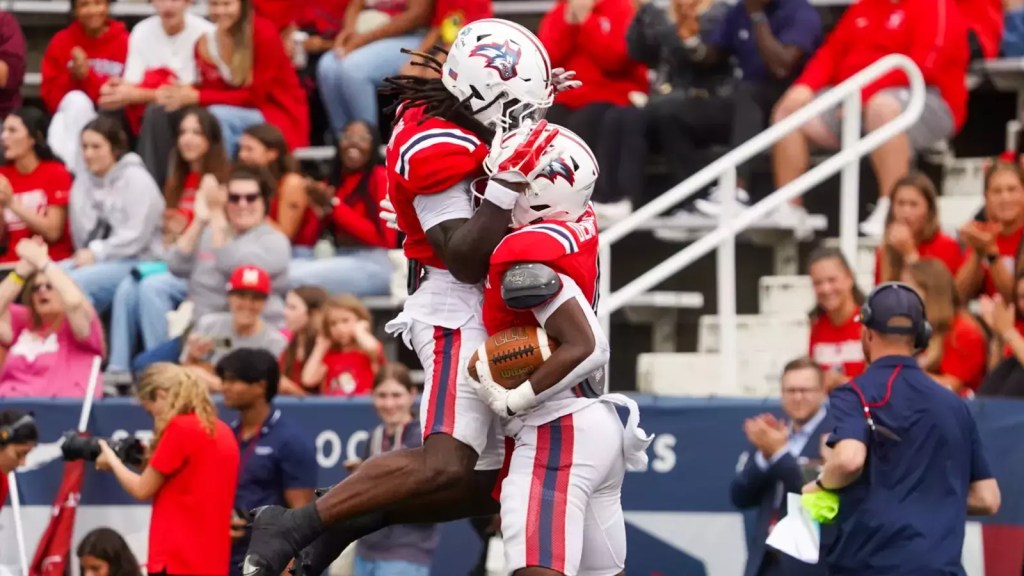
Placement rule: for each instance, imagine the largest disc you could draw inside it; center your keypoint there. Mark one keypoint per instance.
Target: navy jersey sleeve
(298, 462)
(980, 470)
(848, 415)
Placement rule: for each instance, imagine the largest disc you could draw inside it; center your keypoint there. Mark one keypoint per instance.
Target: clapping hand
(79, 63)
(6, 192)
(900, 238)
(564, 80)
(998, 314)
(767, 433)
(34, 251)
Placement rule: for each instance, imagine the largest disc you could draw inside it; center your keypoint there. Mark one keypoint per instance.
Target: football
(513, 354)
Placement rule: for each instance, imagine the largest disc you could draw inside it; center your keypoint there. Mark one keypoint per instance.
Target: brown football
(513, 354)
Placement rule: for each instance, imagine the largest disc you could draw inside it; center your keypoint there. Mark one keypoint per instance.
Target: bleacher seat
(782, 295)
(697, 374)
(783, 335)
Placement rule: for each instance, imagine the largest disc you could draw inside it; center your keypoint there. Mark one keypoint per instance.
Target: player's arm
(562, 310)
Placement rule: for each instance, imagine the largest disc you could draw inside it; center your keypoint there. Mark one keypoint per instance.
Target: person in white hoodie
(116, 211)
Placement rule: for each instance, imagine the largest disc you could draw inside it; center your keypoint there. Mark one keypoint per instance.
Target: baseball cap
(891, 305)
(250, 279)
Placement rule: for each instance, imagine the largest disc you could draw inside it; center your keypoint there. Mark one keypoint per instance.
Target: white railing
(723, 237)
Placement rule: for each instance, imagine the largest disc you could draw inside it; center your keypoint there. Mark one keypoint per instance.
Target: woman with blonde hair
(347, 356)
(912, 230)
(190, 527)
(957, 353)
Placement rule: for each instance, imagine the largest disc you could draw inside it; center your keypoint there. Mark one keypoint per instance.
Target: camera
(80, 447)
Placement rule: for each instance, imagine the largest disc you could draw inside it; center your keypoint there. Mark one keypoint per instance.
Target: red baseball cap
(250, 279)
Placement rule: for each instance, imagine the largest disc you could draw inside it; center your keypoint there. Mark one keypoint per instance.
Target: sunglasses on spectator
(41, 286)
(249, 198)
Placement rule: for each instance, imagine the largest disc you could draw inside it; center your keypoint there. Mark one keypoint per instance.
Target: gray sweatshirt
(127, 202)
(208, 269)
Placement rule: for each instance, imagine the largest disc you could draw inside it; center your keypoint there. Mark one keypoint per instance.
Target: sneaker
(682, 224)
(874, 225)
(793, 217)
(712, 205)
(611, 213)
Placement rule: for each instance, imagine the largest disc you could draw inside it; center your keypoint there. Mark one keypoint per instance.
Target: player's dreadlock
(432, 96)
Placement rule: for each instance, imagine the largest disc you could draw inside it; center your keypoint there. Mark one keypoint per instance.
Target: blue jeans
(233, 121)
(365, 567)
(348, 86)
(169, 351)
(142, 305)
(100, 281)
(360, 271)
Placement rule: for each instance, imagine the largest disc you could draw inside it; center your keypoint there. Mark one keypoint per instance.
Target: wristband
(17, 278)
(820, 485)
(521, 398)
(500, 196)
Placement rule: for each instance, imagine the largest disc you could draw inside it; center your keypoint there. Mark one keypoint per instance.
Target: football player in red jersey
(496, 77)
(561, 509)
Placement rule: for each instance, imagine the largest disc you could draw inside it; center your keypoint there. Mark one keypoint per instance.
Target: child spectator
(160, 52)
(835, 332)
(218, 333)
(53, 336)
(912, 231)
(993, 245)
(933, 34)
(347, 356)
(957, 353)
(12, 63)
(360, 264)
(103, 552)
(34, 187)
(197, 154)
(367, 50)
(449, 17)
(78, 61)
(245, 77)
(302, 320)
(404, 549)
(264, 145)
(115, 210)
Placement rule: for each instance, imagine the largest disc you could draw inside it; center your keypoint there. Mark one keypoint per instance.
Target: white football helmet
(503, 69)
(562, 191)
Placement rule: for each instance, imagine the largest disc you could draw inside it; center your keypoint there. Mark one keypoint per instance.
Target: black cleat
(271, 547)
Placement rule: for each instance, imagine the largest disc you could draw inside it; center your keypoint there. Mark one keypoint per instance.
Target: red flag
(53, 554)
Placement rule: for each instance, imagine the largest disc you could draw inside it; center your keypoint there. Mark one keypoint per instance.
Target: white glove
(564, 80)
(388, 215)
(503, 402)
(522, 155)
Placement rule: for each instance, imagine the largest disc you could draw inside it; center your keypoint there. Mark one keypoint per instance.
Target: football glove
(519, 157)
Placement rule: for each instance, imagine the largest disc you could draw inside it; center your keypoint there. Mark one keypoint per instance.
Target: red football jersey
(427, 156)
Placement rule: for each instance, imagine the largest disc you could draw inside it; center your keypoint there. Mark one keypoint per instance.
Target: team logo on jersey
(502, 57)
(559, 169)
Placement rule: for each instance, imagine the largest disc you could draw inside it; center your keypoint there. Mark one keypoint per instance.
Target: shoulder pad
(526, 285)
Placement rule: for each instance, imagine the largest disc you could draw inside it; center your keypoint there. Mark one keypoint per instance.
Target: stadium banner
(680, 520)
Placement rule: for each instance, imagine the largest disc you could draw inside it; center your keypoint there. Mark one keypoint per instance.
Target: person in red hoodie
(589, 36)
(77, 63)
(244, 77)
(933, 34)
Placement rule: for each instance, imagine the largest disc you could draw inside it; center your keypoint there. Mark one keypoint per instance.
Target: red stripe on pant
(441, 407)
(536, 501)
(549, 488)
(562, 493)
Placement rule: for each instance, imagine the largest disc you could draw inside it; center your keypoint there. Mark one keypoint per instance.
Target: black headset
(9, 434)
(922, 333)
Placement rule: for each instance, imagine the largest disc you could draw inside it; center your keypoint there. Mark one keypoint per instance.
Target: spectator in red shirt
(360, 264)
(449, 17)
(18, 436)
(957, 354)
(993, 246)
(835, 332)
(12, 63)
(264, 145)
(347, 356)
(78, 61)
(191, 476)
(933, 34)
(302, 320)
(34, 187)
(244, 77)
(912, 231)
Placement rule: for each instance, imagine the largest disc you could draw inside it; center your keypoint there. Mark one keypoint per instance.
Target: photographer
(191, 475)
(278, 463)
(18, 436)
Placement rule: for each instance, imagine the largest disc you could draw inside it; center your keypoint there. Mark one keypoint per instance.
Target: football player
(496, 76)
(561, 510)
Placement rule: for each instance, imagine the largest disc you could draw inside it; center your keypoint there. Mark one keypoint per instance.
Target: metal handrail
(854, 146)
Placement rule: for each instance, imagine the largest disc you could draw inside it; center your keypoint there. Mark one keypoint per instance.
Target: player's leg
(604, 527)
(458, 427)
(544, 500)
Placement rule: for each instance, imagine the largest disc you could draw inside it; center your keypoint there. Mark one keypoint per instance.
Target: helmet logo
(559, 169)
(500, 57)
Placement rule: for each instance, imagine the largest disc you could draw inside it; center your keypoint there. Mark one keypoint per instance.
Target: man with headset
(906, 459)
(18, 435)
